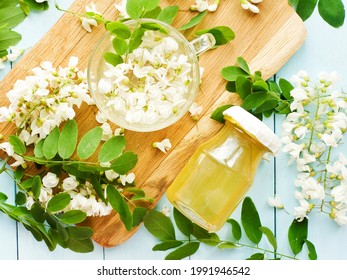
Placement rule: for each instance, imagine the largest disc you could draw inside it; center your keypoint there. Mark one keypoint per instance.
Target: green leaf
(243, 87)
(213, 240)
(230, 73)
(25, 7)
(37, 212)
(235, 229)
(138, 214)
(183, 251)
(222, 34)
(153, 13)
(50, 145)
(254, 100)
(257, 256)
(120, 30)
(120, 206)
(120, 46)
(241, 62)
(68, 139)
(168, 14)
(89, 143)
(19, 173)
(37, 6)
(332, 11)
(149, 5)
(73, 217)
(227, 245)
(136, 191)
(269, 104)
(36, 185)
(80, 245)
(194, 21)
(112, 149)
(154, 26)
(312, 254)
(297, 235)
(17, 144)
(274, 87)
(293, 3)
(124, 163)
(166, 245)
(134, 8)
(20, 198)
(11, 16)
(159, 225)
(286, 88)
(8, 3)
(305, 8)
(270, 236)
(58, 202)
(3, 197)
(251, 221)
(8, 38)
(231, 86)
(79, 233)
(62, 232)
(113, 58)
(3, 53)
(218, 113)
(201, 233)
(136, 38)
(38, 150)
(183, 223)
(260, 85)
(98, 188)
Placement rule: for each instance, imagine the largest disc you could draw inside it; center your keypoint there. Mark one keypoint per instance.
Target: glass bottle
(221, 170)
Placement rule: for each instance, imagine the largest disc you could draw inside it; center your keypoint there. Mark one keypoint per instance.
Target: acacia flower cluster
(44, 100)
(316, 125)
(13, 54)
(83, 196)
(152, 84)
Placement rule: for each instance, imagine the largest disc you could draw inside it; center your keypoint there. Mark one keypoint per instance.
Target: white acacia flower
(275, 202)
(122, 9)
(101, 118)
(70, 183)
(29, 202)
(14, 53)
(107, 132)
(301, 211)
(41, 1)
(166, 211)
(50, 180)
(127, 179)
(248, 6)
(7, 148)
(339, 216)
(195, 110)
(88, 22)
(111, 175)
(163, 146)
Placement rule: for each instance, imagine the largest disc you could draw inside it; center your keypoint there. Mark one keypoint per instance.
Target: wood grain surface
(266, 40)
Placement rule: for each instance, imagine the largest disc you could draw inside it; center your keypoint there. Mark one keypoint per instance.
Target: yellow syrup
(217, 177)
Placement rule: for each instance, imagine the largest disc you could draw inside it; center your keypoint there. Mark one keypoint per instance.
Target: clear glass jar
(221, 170)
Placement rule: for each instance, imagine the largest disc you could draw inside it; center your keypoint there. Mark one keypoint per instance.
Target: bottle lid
(254, 127)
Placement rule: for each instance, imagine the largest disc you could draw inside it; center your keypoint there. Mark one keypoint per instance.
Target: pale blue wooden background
(325, 49)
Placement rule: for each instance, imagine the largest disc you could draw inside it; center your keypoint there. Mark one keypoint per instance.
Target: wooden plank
(266, 40)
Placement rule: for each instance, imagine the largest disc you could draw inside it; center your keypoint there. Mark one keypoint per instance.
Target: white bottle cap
(254, 127)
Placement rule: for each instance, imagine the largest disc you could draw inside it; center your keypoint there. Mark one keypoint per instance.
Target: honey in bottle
(221, 170)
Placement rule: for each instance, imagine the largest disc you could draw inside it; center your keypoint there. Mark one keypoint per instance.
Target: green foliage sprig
(332, 11)
(260, 97)
(163, 229)
(61, 153)
(12, 13)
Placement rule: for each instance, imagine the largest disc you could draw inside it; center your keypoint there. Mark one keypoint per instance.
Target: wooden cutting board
(266, 40)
